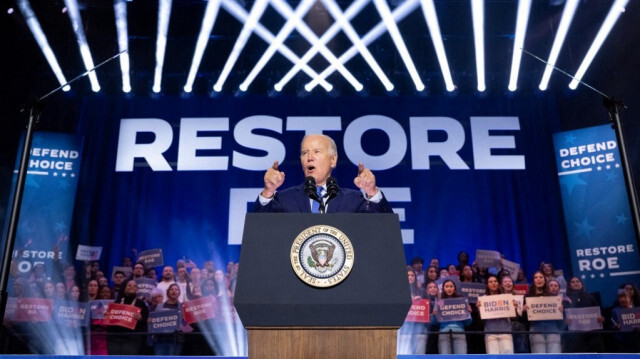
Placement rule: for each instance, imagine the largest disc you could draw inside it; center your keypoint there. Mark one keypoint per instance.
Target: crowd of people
(175, 285)
(515, 334)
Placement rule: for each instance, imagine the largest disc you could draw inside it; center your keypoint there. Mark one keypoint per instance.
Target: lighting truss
(85, 53)
(612, 17)
(41, 39)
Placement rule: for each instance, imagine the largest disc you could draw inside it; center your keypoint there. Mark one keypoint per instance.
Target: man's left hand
(366, 181)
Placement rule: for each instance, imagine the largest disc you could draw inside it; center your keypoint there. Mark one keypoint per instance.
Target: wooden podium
(286, 318)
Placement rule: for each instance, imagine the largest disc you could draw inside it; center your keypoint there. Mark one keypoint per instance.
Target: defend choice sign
(544, 308)
(122, 315)
(419, 311)
(164, 321)
(453, 310)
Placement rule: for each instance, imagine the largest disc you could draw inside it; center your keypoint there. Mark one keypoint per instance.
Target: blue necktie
(315, 206)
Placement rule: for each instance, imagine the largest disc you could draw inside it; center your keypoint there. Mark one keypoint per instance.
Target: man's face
(316, 158)
(167, 273)
(182, 273)
(138, 270)
(118, 278)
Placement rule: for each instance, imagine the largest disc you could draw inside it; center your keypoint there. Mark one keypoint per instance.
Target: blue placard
(602, 243)
(453, 310)
(473, 290)
(164, 321)
(72, 314)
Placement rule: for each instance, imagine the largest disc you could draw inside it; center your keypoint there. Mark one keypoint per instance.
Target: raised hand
(366, 181)
(273, 179)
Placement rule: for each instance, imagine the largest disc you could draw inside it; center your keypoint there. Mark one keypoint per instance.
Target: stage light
(392, 27)
(477, 12)
(64, 10)
(254, 15)
(10, 11)
(612, 17)
(209, 18)
(563, 28)
(239, 13)
(398, 14)
(164, 14)
(120, 10)
(285, 10)
(76, 22)
(429, 12)
(524, 6)
(352, 11)
(41, 39)
(286, 29)
(351, 33)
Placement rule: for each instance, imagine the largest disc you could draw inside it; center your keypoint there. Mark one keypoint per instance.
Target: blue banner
(48, 200)
(604, 251)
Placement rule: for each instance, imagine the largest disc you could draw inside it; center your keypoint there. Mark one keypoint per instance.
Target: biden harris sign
(604, 251)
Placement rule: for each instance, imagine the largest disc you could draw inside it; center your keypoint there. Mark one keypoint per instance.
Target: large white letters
(129, 150)
(190, 142)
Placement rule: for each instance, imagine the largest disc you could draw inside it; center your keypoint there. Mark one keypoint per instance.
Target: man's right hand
(273, 179)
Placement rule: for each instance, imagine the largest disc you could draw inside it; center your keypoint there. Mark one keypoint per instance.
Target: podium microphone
(312, 192)
(332, 189)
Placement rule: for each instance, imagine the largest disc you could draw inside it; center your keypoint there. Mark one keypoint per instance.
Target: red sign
(419, 311)
(122, 315)
(34, 310)
(520, 289)
(198, 310)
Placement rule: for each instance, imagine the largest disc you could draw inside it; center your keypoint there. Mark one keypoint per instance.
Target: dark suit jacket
(293, 199)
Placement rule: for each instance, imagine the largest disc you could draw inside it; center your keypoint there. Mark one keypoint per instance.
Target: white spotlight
(208, 20)
(120, 10)
(164, 14)
(76, 22)
(477, 11)
(524, 6)
(567, 17)
(616, 10)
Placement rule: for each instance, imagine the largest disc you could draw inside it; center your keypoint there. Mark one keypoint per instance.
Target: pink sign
(419, 311)
(34, 310)
(122, 315)
(200, 309)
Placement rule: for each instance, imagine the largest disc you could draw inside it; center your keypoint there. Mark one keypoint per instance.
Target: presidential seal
(322, 256)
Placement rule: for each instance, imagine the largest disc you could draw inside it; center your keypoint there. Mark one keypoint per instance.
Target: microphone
(332, 189)
(312, 192)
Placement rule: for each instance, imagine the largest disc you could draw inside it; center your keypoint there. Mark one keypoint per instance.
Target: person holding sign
(520, 340)
(496, 343)
(319, 156)
(545, 337)
(124, 341)
(169, 344)
(626, 341)
(412, 336)
(449, 291)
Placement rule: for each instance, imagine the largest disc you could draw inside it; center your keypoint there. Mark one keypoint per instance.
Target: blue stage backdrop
(464, 173)
(602, 239)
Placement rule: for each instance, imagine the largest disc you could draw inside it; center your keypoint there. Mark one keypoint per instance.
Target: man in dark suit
(318, 156)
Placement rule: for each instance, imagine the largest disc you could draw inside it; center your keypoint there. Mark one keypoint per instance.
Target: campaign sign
(487, 259)
(164, 321)
(544, 308)
(99, 307)
(455, 281)
(11, 308)
(151, 258)
(453, 310)
(145, 286)
(34, 310)
(519, 299)
(419, 311)
(520, 289)
(198, 310)
(122, 315)
(72, 314)
(472, 290)
(496, 306)
(583, 319)
(88, 253)
(629, 318)
(602, 242)
(512, 267)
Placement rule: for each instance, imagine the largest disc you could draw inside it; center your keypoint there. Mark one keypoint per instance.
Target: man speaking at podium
(320, 193)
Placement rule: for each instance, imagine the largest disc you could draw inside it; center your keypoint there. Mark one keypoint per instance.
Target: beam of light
(208, 20)
(563, 28)
(120, 10)
(477, 12)
(398, 14)
(392, 27)
(430, 16)
(612, 17)
(241, 14)
(41, 39)
(164, 14)
(254, 15)
(286, 29)
(351, 33)
(352, 11)
(524, 6)
(285, 10)
(76, 22)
